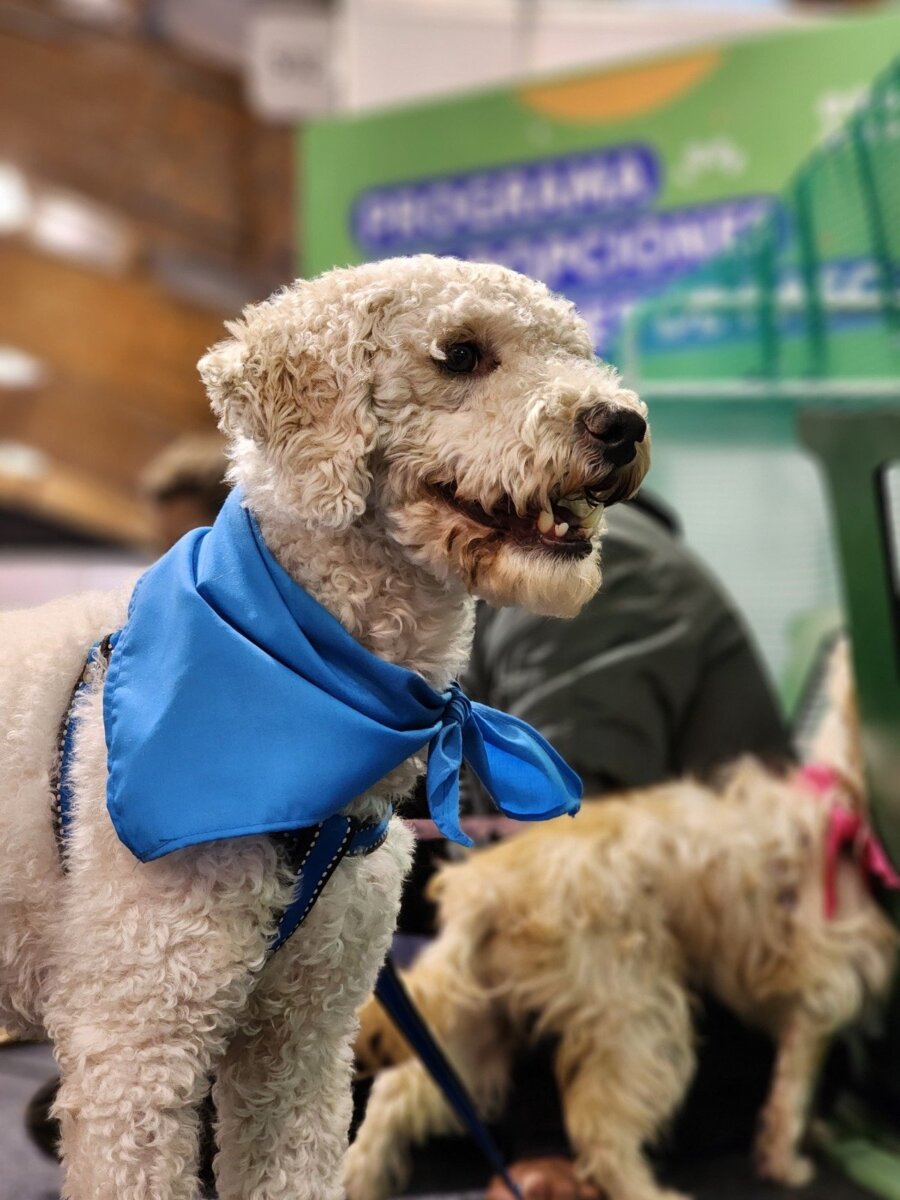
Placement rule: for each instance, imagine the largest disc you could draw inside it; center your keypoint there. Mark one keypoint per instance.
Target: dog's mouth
(564, 527)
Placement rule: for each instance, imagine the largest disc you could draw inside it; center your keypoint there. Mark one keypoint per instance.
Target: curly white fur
(597, 930)
(151, 977)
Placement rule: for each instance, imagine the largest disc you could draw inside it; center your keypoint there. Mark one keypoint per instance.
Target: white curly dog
(408, 434)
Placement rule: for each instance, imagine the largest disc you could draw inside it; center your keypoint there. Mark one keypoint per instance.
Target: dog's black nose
(618, 430)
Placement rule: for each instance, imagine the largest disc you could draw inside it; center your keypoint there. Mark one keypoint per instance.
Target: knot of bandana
(520, 771)
(459, 707)
(846, 830)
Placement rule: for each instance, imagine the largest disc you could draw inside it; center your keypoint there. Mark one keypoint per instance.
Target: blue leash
(396, 1000)
(316, 853)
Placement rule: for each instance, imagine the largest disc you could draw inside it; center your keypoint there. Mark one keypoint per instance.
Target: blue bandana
(236, 704)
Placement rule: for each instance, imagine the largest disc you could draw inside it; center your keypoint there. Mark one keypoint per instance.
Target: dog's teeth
(592, 520)
(559, 530)
(579, 506)
(545, 521)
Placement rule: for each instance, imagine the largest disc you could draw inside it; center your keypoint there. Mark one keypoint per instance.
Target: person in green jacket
(656, 678)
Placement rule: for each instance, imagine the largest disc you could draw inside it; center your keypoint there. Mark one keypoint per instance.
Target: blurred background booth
(716, 186)
(141, 202)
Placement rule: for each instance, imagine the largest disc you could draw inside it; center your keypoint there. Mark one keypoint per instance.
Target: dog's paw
(799, 1171)
(356, 1175)
(649, 1193)
(788, 1169)
(361, 1176)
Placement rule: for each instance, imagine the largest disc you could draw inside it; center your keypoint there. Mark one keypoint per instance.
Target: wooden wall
(204, 194)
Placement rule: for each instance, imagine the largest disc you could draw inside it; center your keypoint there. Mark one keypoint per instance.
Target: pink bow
(846, 828)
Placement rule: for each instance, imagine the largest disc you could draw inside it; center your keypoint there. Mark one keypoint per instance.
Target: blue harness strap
(61, 776)
(323, 847)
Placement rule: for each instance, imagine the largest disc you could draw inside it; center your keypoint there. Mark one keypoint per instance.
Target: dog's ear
(296, 379)
(837, 742)
(222, 368)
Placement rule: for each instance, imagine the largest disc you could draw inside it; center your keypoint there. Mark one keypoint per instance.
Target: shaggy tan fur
(597, 930)
(342, 419)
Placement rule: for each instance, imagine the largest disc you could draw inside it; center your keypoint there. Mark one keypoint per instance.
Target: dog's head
(458, 407)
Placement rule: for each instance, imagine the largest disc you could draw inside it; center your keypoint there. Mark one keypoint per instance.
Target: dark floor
(731, 1178)
(726, 1177)
(25, 1174)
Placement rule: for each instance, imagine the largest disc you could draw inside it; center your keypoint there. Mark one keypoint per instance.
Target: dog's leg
(406, 1108)
(623, 1065)
(157, 968)
(283, 1090)
(783, 1120)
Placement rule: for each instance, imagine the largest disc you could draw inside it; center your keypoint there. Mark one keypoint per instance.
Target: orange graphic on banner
(619, 94)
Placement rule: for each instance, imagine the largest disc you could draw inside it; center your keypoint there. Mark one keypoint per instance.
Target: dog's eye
(461, 358)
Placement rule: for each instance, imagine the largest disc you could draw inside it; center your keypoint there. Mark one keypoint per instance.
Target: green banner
(609, 184)
(807, 303)
(730, 282)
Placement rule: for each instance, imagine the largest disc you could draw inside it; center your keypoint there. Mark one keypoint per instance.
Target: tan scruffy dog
(596, 930)
(406, 434)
